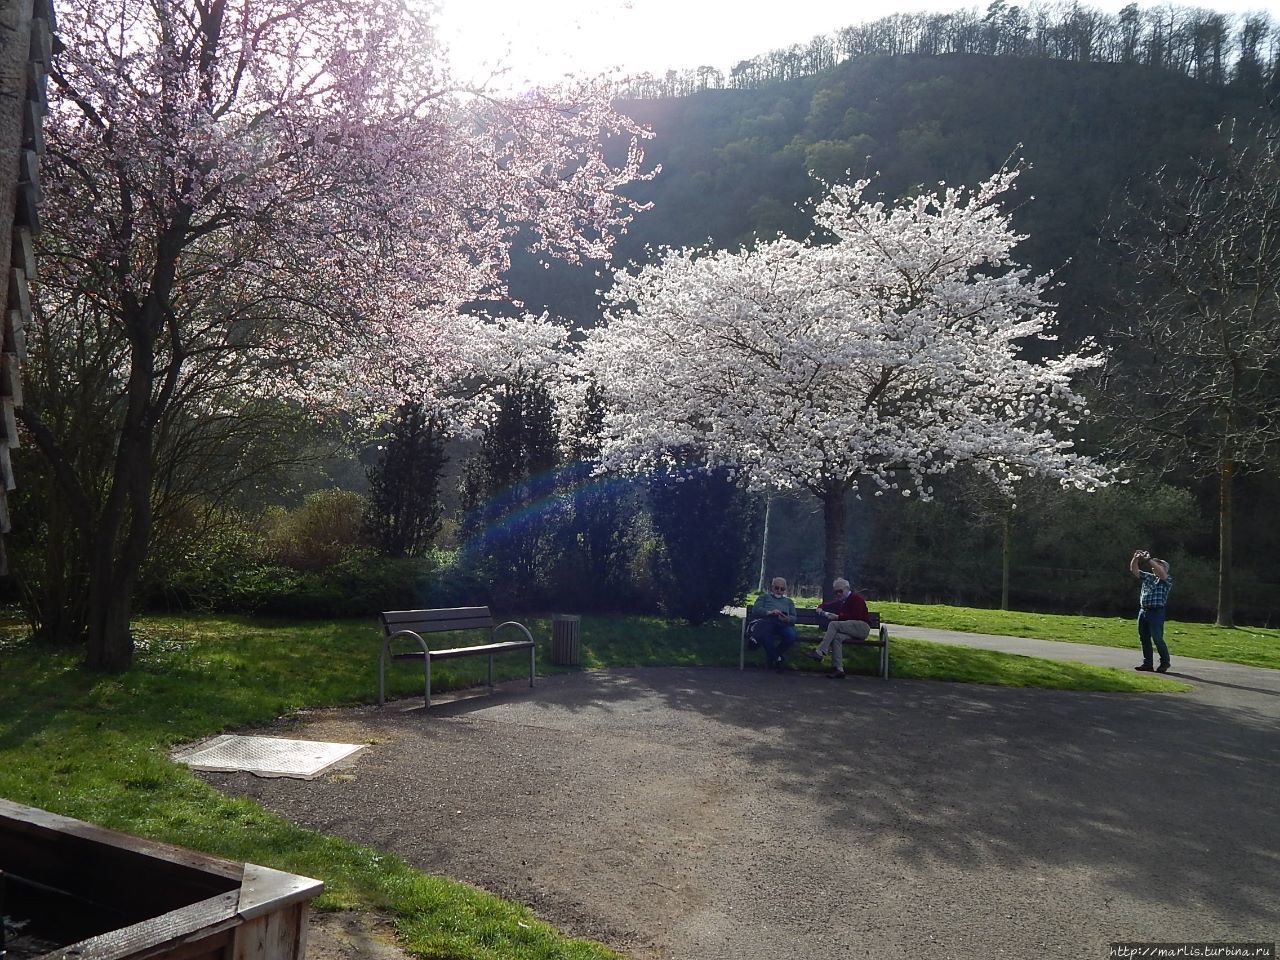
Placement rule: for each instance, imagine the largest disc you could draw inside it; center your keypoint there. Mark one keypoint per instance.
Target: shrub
(706, 523)
(328, 527)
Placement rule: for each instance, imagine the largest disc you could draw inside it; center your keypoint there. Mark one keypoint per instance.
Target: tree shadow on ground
(1174, 797)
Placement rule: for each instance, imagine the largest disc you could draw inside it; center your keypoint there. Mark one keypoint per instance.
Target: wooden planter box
(73, 891)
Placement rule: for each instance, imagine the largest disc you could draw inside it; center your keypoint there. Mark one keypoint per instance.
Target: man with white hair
(1152, 599)
(775, 615)
(848, 619)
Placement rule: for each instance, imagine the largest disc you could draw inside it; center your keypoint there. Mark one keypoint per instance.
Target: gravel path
(712, 814)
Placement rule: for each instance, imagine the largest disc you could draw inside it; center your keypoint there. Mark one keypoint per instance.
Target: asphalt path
(712, 814)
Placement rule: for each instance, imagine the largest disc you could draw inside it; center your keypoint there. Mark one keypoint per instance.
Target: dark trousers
(776, 637)
(1151, 630)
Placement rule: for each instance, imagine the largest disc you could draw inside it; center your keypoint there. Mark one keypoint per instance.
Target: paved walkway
(717, 814)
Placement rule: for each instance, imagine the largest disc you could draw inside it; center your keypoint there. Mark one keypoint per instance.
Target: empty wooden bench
(413, 624)
(810, 617)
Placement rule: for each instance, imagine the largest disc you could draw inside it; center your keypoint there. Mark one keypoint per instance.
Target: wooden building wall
(26, 50)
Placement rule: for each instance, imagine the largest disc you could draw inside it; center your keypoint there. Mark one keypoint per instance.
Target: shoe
(835, 675)
(1144, 667)
(1163, 668)
(780, 665)
(813, 654)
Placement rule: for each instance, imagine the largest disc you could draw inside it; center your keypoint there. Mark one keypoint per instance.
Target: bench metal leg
(884, 653)
(742, 646)
(426, 681)
(491, 671)
(532, 651)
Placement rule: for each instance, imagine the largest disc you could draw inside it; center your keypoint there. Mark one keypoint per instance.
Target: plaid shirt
(1155, 592)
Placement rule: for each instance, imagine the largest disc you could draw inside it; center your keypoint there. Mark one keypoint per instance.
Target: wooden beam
(43, 10)
(26, 209)
(264, 889)
(41, 40)
(6, 468)
(33, 126)
(19, 293)
(38, 84)
(24, 252)
(15, 337)
(10, 378)
(10, 421)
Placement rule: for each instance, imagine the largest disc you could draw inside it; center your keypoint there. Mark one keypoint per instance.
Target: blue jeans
(776, 637)
(1151, 630)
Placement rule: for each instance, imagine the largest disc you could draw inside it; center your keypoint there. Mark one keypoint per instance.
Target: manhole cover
(266, 756)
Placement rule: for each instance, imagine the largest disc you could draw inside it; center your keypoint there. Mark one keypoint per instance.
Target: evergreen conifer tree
(404, 486)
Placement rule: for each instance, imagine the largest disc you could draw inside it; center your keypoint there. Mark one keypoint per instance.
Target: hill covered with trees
(736, 163)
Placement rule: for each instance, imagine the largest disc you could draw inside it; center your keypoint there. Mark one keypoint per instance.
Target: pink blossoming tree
(877, 361)
(280, 200)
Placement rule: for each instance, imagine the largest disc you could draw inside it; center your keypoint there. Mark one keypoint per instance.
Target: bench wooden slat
(481, 649)
(478, 650)
(808, 616)
(441, 626)
(440, 613)
(437, 621)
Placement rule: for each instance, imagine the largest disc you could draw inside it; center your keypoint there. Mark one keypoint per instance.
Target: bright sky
(544, 39)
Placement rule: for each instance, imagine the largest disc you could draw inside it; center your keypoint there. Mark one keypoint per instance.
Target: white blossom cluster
(892, 355)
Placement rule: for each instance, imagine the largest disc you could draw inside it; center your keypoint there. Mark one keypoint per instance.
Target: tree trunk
(122, 533)
(833, 536)
(1226, 601)
(57, 608)
(108, 642)
(114, 568)
(1005, 551)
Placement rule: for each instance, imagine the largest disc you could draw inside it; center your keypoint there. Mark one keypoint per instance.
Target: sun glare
(541, 42)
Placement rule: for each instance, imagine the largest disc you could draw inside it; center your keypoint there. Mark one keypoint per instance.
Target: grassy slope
(95, 747)
(1254, 646)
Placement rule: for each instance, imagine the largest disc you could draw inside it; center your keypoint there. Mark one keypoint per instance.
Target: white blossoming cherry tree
(278, 200)
(893, 354)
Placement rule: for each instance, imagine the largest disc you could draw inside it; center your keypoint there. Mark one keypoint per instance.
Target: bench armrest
(404, 633)
(382, 659)
(513, 623)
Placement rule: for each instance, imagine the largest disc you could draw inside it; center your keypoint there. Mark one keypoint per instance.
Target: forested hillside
(735, 162)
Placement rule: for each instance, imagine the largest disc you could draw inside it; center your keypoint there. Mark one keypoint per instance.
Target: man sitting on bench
(775, 629)
(849, 620)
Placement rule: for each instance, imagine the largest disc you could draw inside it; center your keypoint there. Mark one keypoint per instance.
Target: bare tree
(1195, 377)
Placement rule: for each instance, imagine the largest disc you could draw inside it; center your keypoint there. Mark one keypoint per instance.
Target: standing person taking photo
(1152, 600)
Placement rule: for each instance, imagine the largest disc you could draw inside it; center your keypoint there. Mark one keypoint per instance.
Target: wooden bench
(810, 617)
(397, 624)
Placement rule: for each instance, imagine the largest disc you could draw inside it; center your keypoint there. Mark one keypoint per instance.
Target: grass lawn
(96, 747)
(1253, 646)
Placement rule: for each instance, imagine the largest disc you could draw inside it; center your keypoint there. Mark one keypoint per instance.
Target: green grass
(96, 747)
(637, 641)
(1252, 646)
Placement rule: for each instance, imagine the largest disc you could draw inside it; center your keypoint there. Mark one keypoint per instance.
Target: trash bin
(566, 640)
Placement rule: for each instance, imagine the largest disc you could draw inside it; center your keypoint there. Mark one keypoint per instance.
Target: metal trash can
(566, 640)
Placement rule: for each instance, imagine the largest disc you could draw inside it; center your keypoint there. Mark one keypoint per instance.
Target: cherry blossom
(908, 346)
(289, 198)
